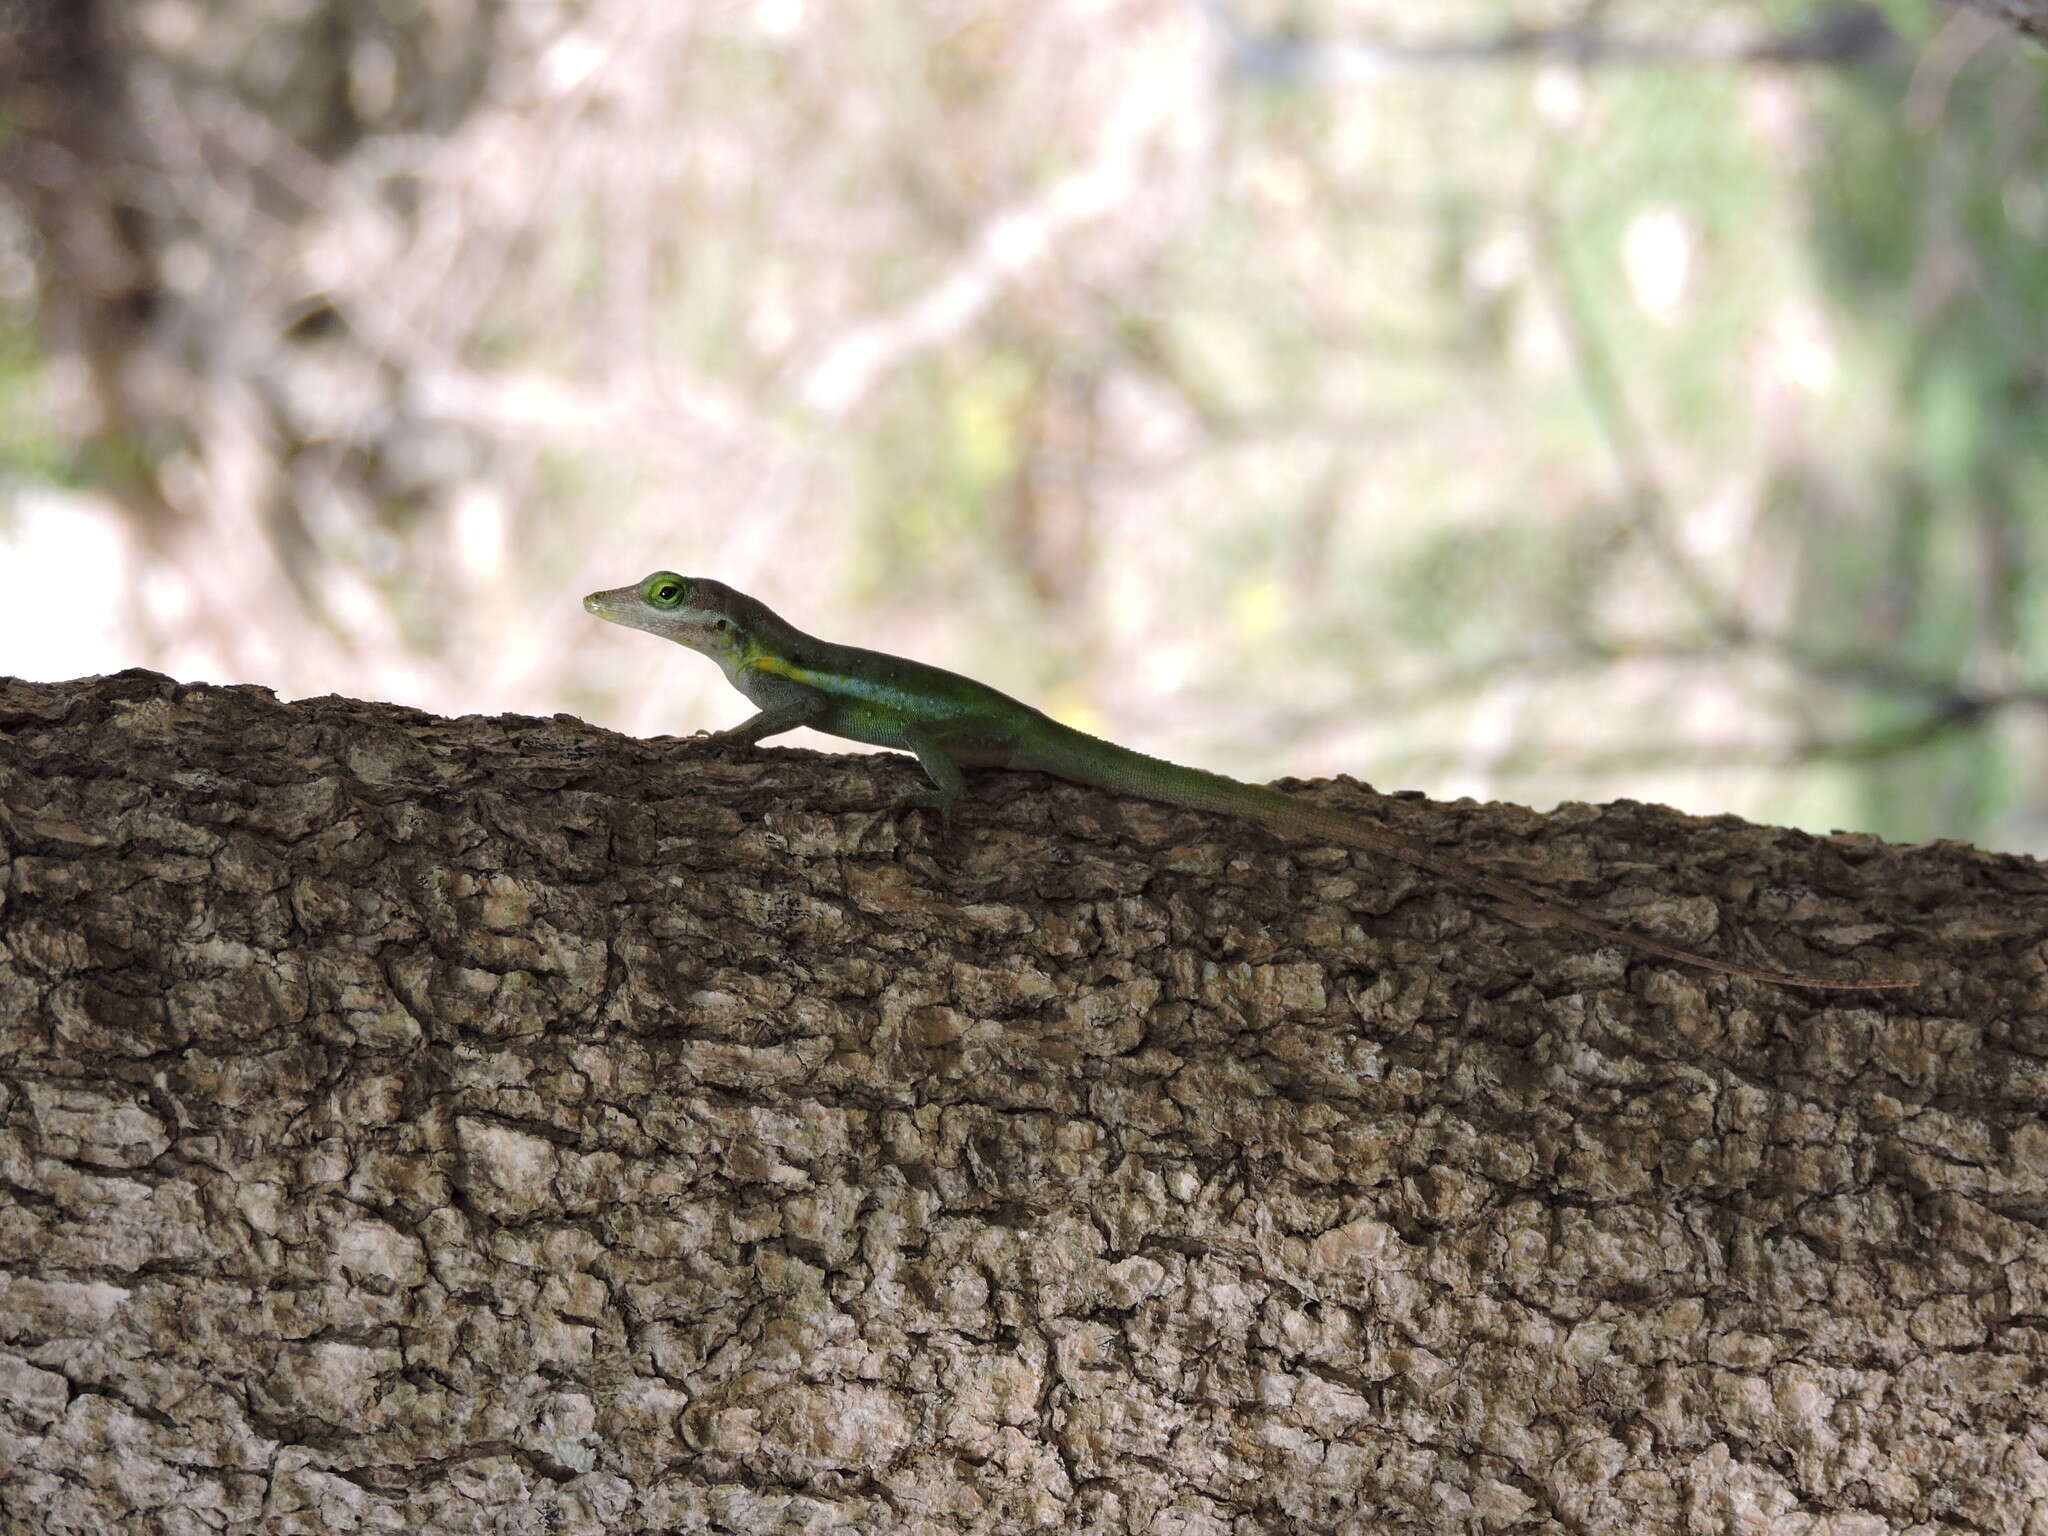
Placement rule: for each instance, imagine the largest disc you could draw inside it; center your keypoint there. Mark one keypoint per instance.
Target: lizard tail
(1085, 759)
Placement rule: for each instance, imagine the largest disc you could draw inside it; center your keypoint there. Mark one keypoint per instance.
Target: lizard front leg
(807, 708)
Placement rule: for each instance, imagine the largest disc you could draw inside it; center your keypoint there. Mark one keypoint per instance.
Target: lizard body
(953, 722)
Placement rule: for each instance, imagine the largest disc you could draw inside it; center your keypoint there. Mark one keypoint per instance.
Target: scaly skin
(952, 722)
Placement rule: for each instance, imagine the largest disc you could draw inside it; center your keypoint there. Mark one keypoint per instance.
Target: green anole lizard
(952, 722)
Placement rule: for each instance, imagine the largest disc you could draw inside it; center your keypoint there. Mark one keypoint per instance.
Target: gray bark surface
(503, 1125)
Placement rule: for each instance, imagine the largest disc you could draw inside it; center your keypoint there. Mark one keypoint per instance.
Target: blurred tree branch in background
(1560, 399)
(1848, 32)
(64, 162)
(2030, 16)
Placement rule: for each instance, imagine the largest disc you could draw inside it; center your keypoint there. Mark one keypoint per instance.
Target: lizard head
(706, 616)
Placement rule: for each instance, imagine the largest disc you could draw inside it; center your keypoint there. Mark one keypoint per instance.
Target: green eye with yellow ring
(664, 589)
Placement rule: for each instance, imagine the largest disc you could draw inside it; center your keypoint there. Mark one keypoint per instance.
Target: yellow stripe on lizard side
(781, 668)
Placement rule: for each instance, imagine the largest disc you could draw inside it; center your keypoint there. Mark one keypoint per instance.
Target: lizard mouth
(622, 605)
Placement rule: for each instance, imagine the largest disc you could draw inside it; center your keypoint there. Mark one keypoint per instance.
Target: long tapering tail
(1085, 759)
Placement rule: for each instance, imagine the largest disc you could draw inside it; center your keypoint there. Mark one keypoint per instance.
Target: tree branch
(1846, 32)
(440, 1124)
(2028, 16)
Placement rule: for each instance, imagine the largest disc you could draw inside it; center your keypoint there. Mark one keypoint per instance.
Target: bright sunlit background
(1526, 400)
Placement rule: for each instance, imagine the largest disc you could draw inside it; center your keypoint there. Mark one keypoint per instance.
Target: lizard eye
(663, 590)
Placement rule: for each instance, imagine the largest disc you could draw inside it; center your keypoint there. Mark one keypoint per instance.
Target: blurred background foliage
(1516, 399)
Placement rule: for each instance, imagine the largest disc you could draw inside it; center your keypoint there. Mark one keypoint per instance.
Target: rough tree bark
(498, 1124)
